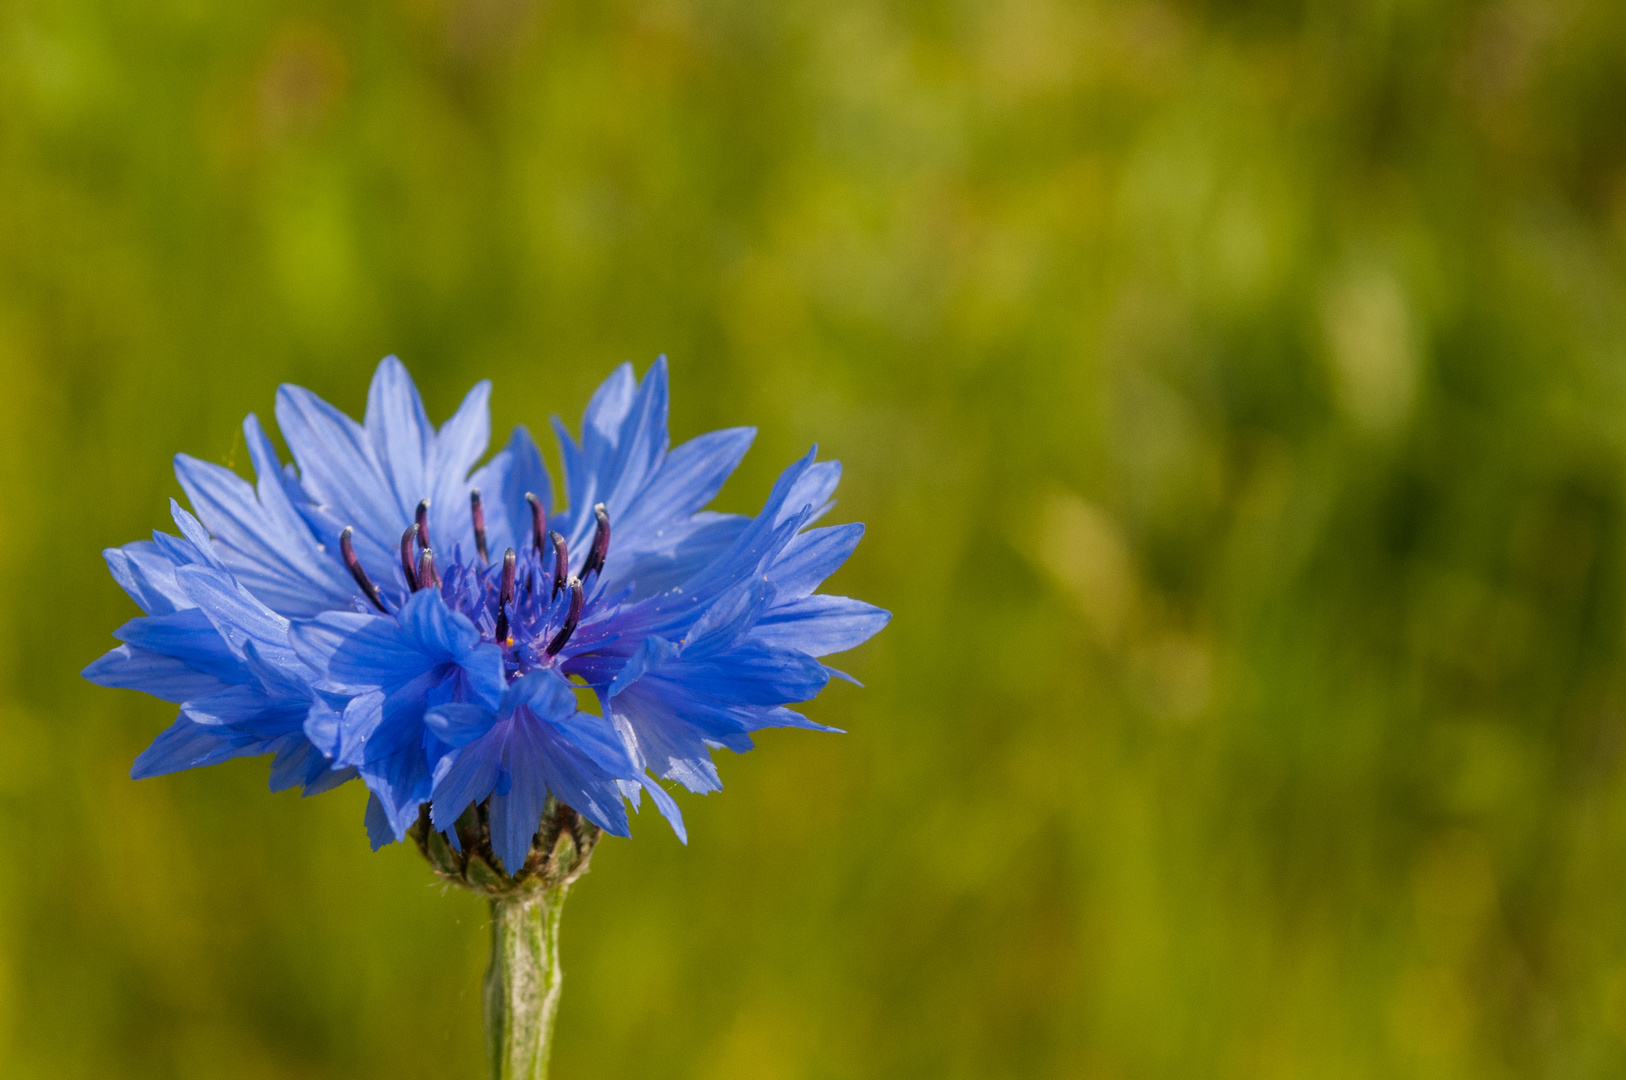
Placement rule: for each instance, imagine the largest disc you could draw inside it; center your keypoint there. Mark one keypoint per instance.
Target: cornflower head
(390, 609)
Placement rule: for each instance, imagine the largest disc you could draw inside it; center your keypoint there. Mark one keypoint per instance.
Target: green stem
(522, 983)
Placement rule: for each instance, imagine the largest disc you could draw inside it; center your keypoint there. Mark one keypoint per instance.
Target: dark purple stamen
(561, 563)
(348, 551)
(406, 558)
(428, 576)
(601, 542)
(505, 596)
(571, 618)
(478, 512)
(539, 520)
(423, 524)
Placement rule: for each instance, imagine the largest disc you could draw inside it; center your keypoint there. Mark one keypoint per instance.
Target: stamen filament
(601, 542)
(428, 576)
(406, 558)
(423, 524)
(539, 520)
(347, 550)
(561, 563)
(505, 596)
(572, 616)
(478, 512)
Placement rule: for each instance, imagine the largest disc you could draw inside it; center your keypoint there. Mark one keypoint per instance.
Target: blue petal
(363, 651)
(315, 558)
(198, 536)
(321, 726)
(729, 618)
(597, 741)
(667, 805)
(546, 693)
(278, 670)
(187, 636)
(670, 613)
(236, 615)
(425, 656)
(820, 625)
(434, 628)
(415, 461)
(693, 473)
(676, 702)
(354, 650)
(292, 765)
(767, 535)
(325, 776)
(363, 715)
(399, 429)
(400, 784)
(570, 454)
(688, 479)
(261, 537)
(623, 441)
(459, 445)
(651, 653)
(186, 745)
(608, 407)
(574, 778)
(668, 744)
(634, 452)
(174, 550)
(786, 718)
(457, 723)
(516, 814)
(143, 571)
(813, 490)
(438, 631)
(338, 468)
(472, 776)
(380, 829)
(750, 674)
(811, 557)
(130, 668)
(693, 545)
(248, 711)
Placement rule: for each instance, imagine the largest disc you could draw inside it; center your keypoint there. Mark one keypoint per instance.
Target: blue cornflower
(400, 615)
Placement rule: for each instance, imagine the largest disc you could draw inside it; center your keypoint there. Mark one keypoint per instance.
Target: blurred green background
(1236, 396)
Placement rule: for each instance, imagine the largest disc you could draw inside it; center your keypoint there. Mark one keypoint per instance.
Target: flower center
(532, 610)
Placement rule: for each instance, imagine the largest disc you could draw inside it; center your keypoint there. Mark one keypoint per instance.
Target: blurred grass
(1236, 397)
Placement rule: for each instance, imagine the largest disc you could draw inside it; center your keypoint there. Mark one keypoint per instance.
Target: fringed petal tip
(380, 830)
(633, 791)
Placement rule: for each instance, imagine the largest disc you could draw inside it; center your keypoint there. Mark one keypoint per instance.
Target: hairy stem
(522, 983)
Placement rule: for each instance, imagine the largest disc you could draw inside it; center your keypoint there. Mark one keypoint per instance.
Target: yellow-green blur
(1235, 394)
